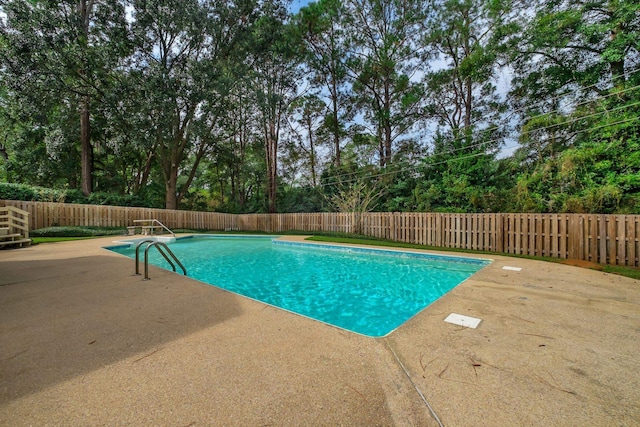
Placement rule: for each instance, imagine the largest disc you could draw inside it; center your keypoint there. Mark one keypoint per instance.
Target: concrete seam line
(406, 372)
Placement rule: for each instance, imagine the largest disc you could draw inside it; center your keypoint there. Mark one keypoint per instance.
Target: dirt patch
(583, 264)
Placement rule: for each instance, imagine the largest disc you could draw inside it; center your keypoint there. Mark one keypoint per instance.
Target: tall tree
(461, 87)
(275, 77)
(385, 57)
(322, 31)
(576, 49)
(182, 50)
(575, 75)
(63, 49)
(310, 111)
(564, 55)
(239, 161)
(85, 10)
(463, 103)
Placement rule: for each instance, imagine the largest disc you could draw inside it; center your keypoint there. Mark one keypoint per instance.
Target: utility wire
(539, 129)
(343, 177)
(338, 178)
(414, 168)
(630, 73)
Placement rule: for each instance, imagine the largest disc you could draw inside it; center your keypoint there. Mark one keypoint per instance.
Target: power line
(630, 73)
(339, 178)
(414, 168)
(539, 129)
(587, 102)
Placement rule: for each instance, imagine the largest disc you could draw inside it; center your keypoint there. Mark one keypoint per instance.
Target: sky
(296, 5)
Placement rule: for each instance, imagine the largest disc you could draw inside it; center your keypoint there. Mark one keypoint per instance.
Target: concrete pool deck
(85, 342)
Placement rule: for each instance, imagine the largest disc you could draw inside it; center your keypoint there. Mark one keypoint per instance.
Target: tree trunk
(171, 185)
(468, 84)
(3, 152)
(387, 124)
(173, 155)
(387, 143)
(380, 147)
(146, 171)
(617, 67)
(200, 153)
(86, 157)
(170, 172)
(336, 125)
(271, 142)
(312, 155)
(86, 149)
(468, 103)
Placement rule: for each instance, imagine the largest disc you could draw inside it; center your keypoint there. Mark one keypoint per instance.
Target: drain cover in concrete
(466, 321)
(506, 267)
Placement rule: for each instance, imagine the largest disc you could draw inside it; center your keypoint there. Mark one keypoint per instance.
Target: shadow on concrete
(60, 318)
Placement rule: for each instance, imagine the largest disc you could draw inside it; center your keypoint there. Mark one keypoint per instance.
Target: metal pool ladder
(162, 247)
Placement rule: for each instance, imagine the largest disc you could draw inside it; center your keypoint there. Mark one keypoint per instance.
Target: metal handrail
(161, 246)
(140, 243)
(152, 221)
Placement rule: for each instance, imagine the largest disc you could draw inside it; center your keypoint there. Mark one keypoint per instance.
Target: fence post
(500, 233)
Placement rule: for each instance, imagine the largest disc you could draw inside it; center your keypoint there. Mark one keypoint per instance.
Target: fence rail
(603, 239)
(46, 214)
(15, 221)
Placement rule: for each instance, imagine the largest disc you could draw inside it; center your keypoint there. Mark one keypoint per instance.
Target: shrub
(75, 196)
(77, 231)
(11, 191)
(114, 199)
(150, 197)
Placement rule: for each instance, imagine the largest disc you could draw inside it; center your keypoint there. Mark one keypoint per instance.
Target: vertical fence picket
(621, 236)
(519, 233)
(632, 238)
(553, 236)
(592, 248)
(612, 243)
(604, 240)
(529, 245)
(446, 230)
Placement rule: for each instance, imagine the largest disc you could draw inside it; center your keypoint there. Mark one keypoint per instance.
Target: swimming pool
(368, 291)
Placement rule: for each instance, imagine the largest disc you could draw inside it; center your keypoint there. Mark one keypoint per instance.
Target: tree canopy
(242, 106)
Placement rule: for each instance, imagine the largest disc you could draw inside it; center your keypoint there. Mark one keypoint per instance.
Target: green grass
(633, 273)
(38, 240)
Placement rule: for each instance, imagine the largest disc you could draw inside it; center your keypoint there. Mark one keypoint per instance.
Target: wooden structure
(47, 214)
(14, 227)
(604, 239)
(148, 227)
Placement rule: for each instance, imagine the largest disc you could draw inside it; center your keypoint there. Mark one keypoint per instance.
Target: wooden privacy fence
(604, 239)
(46, 214)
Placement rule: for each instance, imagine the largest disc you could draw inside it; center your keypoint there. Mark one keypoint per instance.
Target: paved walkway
(84, 342)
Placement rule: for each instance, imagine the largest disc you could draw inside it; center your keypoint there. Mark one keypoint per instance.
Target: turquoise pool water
(367, 291)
